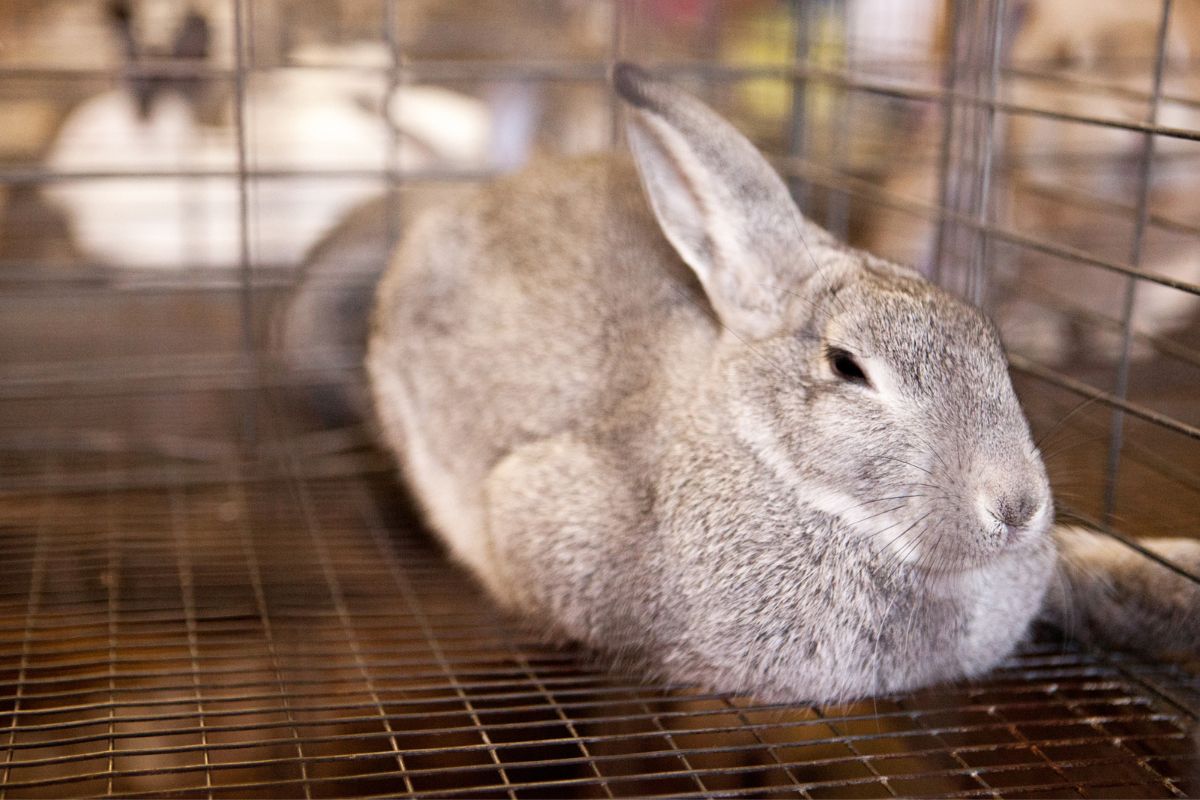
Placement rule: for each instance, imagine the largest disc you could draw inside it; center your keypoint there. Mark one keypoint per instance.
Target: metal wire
(209, 593)
(1141, 212)
(298, 713)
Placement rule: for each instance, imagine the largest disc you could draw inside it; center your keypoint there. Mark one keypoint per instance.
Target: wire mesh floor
(285, 632)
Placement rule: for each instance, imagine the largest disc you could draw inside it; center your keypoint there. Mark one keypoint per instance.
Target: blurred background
(213, 585)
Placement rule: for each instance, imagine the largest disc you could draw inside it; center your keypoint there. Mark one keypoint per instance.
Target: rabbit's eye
(845, 367)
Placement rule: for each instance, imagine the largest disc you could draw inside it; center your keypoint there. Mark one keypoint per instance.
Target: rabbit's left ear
(193, 39)
(727, 213)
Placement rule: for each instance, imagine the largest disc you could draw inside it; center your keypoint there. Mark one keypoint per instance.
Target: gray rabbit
(652, 406)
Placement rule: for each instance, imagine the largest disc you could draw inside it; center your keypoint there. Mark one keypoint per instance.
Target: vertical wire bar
(1014, 729)
(1118, 742)
(295, 483)
(113, 569)
(616, 30)
(756, 733)
(1146, 158)
(919, 719)
(187, 593)
(797, 139)
(977, 280)
(837, 212)
(962, 147)
(246, 538)
(413, 603)
(338, 597)
(245, 271)
(949, 82)
(692, 772)
(397, 77)
(862, 758)
(560, 712)
(37, 580)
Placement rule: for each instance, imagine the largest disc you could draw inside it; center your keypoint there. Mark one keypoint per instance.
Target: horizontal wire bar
(1036, 682)
(789, 789)
(634, 737)
(479, 662)
(190, 475)
(565, 686)
(405, 696)
(843, 78)
(1079, 199)
(482, 657)
(170, 66)
(1033, 369)
(424, 682)
(568, 782)
(1133, 544)
(655, 733)
(1077, 80)
(1142, 454)
(601, 759)
(869, 191)
(57, 281)
(1046, 299)
(1190, 706)
(460, 712)
(43, 175)
(1077, 786)
(119, 376)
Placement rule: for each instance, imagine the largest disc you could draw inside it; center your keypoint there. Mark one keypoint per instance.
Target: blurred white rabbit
(298, 118)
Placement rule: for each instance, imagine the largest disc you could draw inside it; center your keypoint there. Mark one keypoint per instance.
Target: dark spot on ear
(631, 82)
(192, 39)
(121, 17)
(119, 13)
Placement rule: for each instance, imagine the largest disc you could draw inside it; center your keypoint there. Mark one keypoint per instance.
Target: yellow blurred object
(766, 38)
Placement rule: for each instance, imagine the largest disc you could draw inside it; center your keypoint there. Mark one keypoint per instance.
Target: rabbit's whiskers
(926, 485)
(888, 546)
(898, 555)
(933, 451)
(909, 463)
(1073, 444)
(873, 516)
(1079, 407)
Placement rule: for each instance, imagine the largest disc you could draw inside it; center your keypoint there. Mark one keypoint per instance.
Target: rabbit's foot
(557, 512)
(1109, 594)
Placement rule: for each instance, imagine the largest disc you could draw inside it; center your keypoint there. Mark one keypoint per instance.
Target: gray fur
(322, 328)
(626, 424)
(1107, 594)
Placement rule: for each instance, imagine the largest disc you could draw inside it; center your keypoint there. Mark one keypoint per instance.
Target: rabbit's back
(535, 306)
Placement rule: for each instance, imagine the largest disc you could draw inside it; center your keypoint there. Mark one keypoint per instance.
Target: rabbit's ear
(121, 17)
(193, 38)
(718, 201)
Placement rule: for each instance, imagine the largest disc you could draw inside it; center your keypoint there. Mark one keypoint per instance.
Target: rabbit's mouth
(951, 552)
(939, 536)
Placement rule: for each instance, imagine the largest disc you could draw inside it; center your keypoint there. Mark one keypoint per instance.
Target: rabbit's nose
(1018, 509)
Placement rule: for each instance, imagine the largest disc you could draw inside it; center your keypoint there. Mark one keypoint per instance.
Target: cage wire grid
(258, 613)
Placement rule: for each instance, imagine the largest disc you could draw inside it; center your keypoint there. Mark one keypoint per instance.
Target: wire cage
(212, 589)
